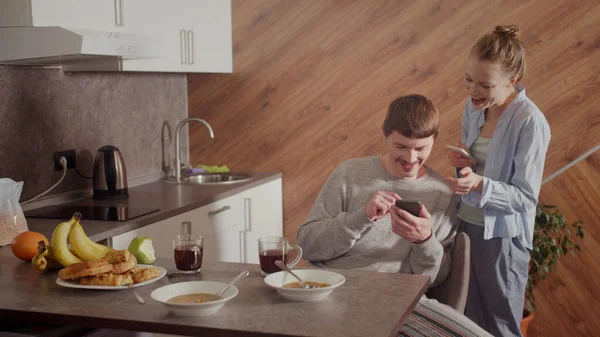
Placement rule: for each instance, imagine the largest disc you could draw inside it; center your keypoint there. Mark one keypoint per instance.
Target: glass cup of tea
(188, 249)
(273, 248)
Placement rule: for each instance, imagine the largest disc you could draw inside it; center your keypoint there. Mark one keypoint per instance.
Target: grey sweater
(337, 233)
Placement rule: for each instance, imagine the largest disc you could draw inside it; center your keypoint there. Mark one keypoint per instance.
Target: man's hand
(469, 181)
(380, 204)
(457, 160)
(409, 227)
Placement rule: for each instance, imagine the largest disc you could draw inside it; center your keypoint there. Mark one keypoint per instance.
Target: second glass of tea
(273, 248)
(188, 250)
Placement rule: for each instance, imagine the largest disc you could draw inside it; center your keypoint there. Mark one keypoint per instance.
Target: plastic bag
(12, 220)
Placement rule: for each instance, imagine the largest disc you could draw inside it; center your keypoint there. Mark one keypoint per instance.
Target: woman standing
(508, 136)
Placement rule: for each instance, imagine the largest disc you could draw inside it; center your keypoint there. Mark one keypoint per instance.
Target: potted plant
(552, 239)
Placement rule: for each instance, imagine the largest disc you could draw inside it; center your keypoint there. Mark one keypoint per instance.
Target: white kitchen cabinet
(230, 227)
(162, 22)
(263, 216)
(195, 36)
(90, 14)
(209, 30)
(206, 221)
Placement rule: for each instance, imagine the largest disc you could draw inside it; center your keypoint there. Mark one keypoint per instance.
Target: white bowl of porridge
(324, 282)
(193, 298)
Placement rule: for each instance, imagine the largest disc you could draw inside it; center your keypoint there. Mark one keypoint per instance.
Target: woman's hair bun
(511, 31)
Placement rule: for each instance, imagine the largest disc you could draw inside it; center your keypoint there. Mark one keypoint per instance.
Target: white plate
(67, 284)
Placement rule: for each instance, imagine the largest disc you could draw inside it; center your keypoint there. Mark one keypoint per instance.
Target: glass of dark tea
(188, 250)
(273, 248)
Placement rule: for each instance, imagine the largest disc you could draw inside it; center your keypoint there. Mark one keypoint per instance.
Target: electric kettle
(110, 175)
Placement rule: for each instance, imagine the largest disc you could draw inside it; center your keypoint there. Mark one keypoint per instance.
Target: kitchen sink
(211, 178)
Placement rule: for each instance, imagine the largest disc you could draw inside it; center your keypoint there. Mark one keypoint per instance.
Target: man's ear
(514, 80)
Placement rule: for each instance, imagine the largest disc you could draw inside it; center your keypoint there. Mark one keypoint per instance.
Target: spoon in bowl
(283, 266)
(239, 277)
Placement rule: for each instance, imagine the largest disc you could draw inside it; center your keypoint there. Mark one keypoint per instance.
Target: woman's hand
(468, 181)
(457, 160)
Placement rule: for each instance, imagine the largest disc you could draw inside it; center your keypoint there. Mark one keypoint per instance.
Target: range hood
(77, 49)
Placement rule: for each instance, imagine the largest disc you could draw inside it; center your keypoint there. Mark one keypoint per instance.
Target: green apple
(141, 247)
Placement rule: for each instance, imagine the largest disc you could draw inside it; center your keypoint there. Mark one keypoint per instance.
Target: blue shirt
(513, 171)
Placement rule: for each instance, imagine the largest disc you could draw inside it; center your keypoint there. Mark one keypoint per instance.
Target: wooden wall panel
(568, 302)
(312, 81)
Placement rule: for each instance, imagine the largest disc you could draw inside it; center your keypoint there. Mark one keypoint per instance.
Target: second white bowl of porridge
(193, 298)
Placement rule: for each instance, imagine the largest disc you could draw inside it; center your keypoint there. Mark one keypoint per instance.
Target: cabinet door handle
(248, 214)
(109, 242)
(185, 228)
(242, 247)
(116, 13)
(119, 12)
(193, 48)
(220, 210)
(183, 46)
(190, 36)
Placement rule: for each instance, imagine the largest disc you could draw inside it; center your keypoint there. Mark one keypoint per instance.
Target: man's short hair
(413, 116)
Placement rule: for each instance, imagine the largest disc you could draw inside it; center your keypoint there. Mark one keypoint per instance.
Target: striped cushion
(434, 319)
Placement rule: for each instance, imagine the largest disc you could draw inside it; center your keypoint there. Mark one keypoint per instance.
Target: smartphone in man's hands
(412, 207)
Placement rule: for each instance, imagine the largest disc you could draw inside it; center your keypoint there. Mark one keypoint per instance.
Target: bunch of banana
(58, 254)
(59, 242)
(84, 247)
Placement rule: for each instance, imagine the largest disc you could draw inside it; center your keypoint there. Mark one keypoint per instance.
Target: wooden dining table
(367, 304)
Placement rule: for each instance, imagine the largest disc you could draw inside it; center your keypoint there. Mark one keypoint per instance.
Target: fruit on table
(84, 247)
(58, 255)
(44, 260)
(39, 262)
(141, 247)
(24, 245)
(60, 250)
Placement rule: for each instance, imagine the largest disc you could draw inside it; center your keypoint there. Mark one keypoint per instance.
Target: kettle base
(111, 195)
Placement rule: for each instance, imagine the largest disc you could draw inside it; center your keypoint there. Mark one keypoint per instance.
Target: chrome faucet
(177, 151)
(165, 167)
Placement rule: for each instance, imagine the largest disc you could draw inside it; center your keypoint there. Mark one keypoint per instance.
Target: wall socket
(69, 155)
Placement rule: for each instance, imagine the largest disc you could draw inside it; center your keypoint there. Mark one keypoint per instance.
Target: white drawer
(216, 217)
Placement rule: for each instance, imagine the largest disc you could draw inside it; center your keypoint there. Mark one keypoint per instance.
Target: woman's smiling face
(487, 83)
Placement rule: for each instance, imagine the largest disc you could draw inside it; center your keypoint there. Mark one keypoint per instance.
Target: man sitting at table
(354, 223)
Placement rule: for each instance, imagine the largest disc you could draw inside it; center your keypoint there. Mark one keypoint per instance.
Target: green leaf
(551, 241)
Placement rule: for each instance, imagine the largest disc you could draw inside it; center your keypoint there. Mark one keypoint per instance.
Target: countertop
(368, 304)
(171, 199)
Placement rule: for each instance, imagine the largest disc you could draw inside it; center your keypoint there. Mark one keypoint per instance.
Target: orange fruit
(24, 245)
